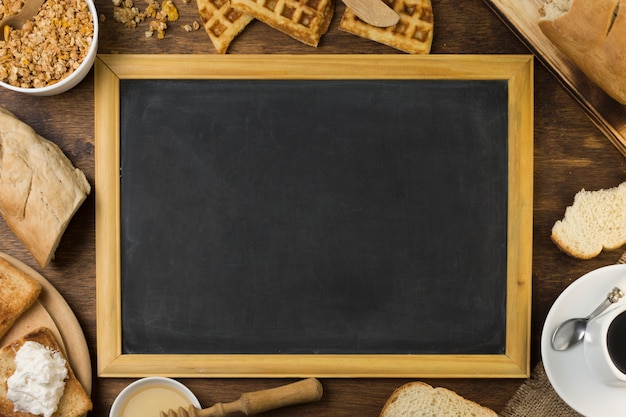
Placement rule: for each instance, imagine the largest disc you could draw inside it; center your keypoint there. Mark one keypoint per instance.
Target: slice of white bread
(418, 399)
(18, 292)
(74, 403)
(595, 221)
(592, 33)
(40, 190)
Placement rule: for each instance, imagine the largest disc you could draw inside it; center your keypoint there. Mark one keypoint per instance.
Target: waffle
(304, 20)
(221, 22)
(413, 33)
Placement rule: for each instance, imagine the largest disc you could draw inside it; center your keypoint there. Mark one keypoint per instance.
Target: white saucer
(567, 370)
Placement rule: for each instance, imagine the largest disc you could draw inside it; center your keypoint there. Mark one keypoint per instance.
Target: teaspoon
(572, 331)
(28, 11)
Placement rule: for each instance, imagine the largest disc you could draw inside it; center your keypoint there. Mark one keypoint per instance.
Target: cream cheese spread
(39, 379)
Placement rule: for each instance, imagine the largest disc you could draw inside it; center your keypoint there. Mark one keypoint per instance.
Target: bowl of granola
(51, 53)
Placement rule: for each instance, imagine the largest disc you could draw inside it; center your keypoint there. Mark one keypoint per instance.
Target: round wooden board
(52, 311)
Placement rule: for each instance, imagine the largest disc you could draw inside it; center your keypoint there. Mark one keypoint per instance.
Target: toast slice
(596, 220)
(221, 22)
(304, 20)
(74, 403)
(418, 399)
(18, 292)
(413, 33)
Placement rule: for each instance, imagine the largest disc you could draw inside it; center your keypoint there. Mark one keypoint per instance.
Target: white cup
(137, 396)
(603, 355)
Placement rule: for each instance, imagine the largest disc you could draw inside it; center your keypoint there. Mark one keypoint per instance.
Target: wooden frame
(517, 70)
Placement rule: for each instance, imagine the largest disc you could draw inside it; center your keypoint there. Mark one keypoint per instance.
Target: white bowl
(77, 75)
(134, 394)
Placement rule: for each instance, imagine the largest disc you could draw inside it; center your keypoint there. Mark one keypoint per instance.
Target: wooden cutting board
(52, 311)
(522, 17)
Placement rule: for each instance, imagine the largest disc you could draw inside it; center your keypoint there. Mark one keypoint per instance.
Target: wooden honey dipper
(250, 403)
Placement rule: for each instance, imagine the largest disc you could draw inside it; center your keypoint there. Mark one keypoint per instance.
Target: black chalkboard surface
(266, 216)
(322, 216)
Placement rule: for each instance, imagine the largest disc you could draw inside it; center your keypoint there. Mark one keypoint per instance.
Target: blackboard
(314, 216)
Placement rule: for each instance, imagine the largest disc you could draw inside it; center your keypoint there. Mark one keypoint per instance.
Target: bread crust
(18, 292)
(40, 190)
(595, 221)
(454, 403)
(581, 34)
(74, 403)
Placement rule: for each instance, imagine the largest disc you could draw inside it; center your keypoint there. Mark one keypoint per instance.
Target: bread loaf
(418, 399)
(40, 190)
(592, 33)
(18, 292)
(595, 221)
(74, 403)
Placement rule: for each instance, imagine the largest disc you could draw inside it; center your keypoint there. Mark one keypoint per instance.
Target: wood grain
(570, 153)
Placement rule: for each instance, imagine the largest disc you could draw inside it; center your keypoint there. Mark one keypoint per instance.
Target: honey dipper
(250, 403)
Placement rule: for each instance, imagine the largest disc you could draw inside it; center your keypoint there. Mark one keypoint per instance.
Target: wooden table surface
(570, 154)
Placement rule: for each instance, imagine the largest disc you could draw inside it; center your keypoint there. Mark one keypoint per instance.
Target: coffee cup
(605, 346)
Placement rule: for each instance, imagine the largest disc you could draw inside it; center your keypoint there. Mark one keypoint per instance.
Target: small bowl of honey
(147, 397)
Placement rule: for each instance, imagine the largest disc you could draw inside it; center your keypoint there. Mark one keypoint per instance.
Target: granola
(127, 13)
(48, 48)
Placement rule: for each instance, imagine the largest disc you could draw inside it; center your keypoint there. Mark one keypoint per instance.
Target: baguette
(73, 403)
(40, 190)
(18, 292)
(592, 33)
(418, 399)
(595, 221)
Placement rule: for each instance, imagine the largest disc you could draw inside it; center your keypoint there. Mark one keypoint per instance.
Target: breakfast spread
(591, 34)
(32, 166)
(18, 292)
(48, 48)
(73, 402)
(38, 382)
(418, 399)
(40, 189)
(595, 221)
(305, 21)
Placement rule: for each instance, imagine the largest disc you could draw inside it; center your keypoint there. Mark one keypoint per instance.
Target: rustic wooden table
(570, 154)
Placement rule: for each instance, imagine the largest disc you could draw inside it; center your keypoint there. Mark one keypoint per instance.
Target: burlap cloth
(536, 397)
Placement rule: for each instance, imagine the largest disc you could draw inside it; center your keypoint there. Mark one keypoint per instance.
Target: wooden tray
(522, 17)
(52, 311)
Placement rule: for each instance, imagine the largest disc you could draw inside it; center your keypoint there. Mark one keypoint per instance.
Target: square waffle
(221, 22)
(413, 33)
(304, 20)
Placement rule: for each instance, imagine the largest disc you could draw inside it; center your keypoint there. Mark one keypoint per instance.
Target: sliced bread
(418, 399)
(74, 403)
(595, 221)
(18, 292)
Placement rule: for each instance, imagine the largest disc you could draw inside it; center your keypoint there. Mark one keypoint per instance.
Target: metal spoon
(572, 331)
(16, 21)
